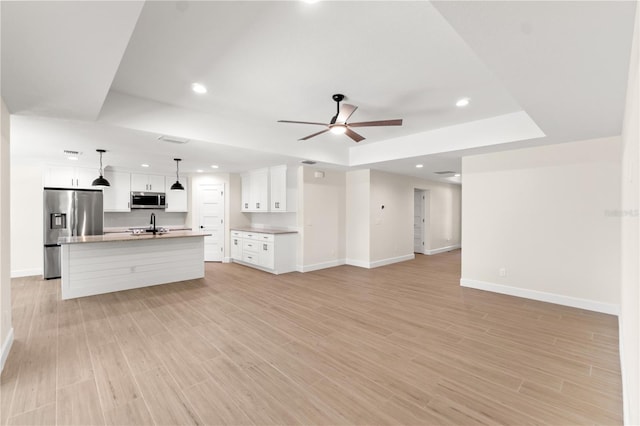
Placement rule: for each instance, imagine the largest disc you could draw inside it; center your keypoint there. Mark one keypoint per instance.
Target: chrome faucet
(153, 222)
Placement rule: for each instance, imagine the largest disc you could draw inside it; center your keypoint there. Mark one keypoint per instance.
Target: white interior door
(418, 221)
(211, 215)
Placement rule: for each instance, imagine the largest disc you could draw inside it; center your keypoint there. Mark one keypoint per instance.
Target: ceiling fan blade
(353, 135)
(313, 135)
(302, 122)
(397, 122)
(345, 112)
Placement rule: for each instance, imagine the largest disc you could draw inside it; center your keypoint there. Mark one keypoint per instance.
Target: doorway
(211, 219)
(420, 222)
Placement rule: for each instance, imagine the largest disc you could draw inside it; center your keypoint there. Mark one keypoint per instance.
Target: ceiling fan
(339, 125)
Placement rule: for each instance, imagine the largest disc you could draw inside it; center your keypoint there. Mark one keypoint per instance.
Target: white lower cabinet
(275, 253)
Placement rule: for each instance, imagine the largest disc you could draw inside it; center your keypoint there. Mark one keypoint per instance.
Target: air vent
(447, 172)
(70, 152)
(309, 162)
(173, 139)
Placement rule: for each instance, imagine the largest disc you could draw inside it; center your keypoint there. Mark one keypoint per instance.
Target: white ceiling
(116, 75)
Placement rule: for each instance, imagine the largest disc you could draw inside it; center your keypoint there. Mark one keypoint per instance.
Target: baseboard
(558, 299)
(6, 348)
(226, 260)
(321, 265)
(442, 249)
(358, 263)
(383, 262)
(391, 260)
(26, 272)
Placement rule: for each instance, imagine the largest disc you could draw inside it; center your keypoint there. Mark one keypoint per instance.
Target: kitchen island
(98, 264)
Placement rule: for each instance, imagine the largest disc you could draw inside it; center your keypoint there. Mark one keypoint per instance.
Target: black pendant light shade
(177, 186)
(100, 180)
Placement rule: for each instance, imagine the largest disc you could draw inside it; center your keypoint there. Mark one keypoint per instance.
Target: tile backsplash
(140, 218)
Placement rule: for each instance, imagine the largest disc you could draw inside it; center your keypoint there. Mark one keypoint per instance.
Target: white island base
(107, 263)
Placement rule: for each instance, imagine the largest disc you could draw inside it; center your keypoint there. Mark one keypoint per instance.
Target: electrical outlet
(502, 272)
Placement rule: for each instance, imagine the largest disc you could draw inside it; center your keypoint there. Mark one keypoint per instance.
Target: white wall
(26, 220)
(391, 223)
(322, 216)
(630, 283)
(377, 236)
(444, 214)
(548, 216)
(358, 217)
(6, 330)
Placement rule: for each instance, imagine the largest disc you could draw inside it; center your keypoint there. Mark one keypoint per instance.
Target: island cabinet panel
(104, 267)
(275, 253)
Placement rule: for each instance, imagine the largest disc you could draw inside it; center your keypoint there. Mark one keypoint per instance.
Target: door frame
(196, 216)
(426, 217)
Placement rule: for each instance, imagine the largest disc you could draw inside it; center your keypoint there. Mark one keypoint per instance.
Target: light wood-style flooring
(401, 344)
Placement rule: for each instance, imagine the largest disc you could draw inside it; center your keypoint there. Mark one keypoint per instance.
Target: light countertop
(121, 229)
(130, 237)
(264, 230)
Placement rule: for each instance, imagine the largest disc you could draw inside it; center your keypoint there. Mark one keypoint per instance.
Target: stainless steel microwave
(148, 200)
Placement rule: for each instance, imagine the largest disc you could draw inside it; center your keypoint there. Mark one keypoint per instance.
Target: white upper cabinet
(117, 196)
(260, 190)
(69, 177)
(147, 183)
(278, 176)
(255, 191)
(176, 200)
(269, 190)
(246, 193)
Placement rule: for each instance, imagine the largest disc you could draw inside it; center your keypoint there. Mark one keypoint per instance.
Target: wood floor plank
(115, 382)
(78, 404)
(167, 404)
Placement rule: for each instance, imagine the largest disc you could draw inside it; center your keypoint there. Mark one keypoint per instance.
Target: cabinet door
(117, 196)
(60, 177)
(176, 200)
(85, 176)
(260, 190)
(278, 184)
(236, 248)
(267, 258)
(156, 183)
(139, 183)
(246, 193)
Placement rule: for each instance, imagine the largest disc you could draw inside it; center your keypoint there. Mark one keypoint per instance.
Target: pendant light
(177, 186)
(100, 181)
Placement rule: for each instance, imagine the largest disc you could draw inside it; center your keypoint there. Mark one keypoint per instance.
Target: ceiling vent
(309, 162)
(446, 172)
(173, 139)
(70, 152)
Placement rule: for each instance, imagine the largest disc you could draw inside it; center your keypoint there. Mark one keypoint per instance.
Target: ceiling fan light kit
(338, 124)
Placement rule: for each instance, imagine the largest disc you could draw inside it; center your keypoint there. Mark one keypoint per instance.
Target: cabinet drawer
(256, 236)
(236, 234)
(251, 258)
(250, 246)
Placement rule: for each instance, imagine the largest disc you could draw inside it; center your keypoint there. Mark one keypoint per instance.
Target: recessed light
(456, 175)
(310, 1)
(419, 166)
(214, 166)
(72, 158)
(144, 165)
(199, 88)
(462, 102)
(199, 170)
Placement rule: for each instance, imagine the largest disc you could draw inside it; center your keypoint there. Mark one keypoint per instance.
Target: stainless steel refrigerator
(68, 213)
